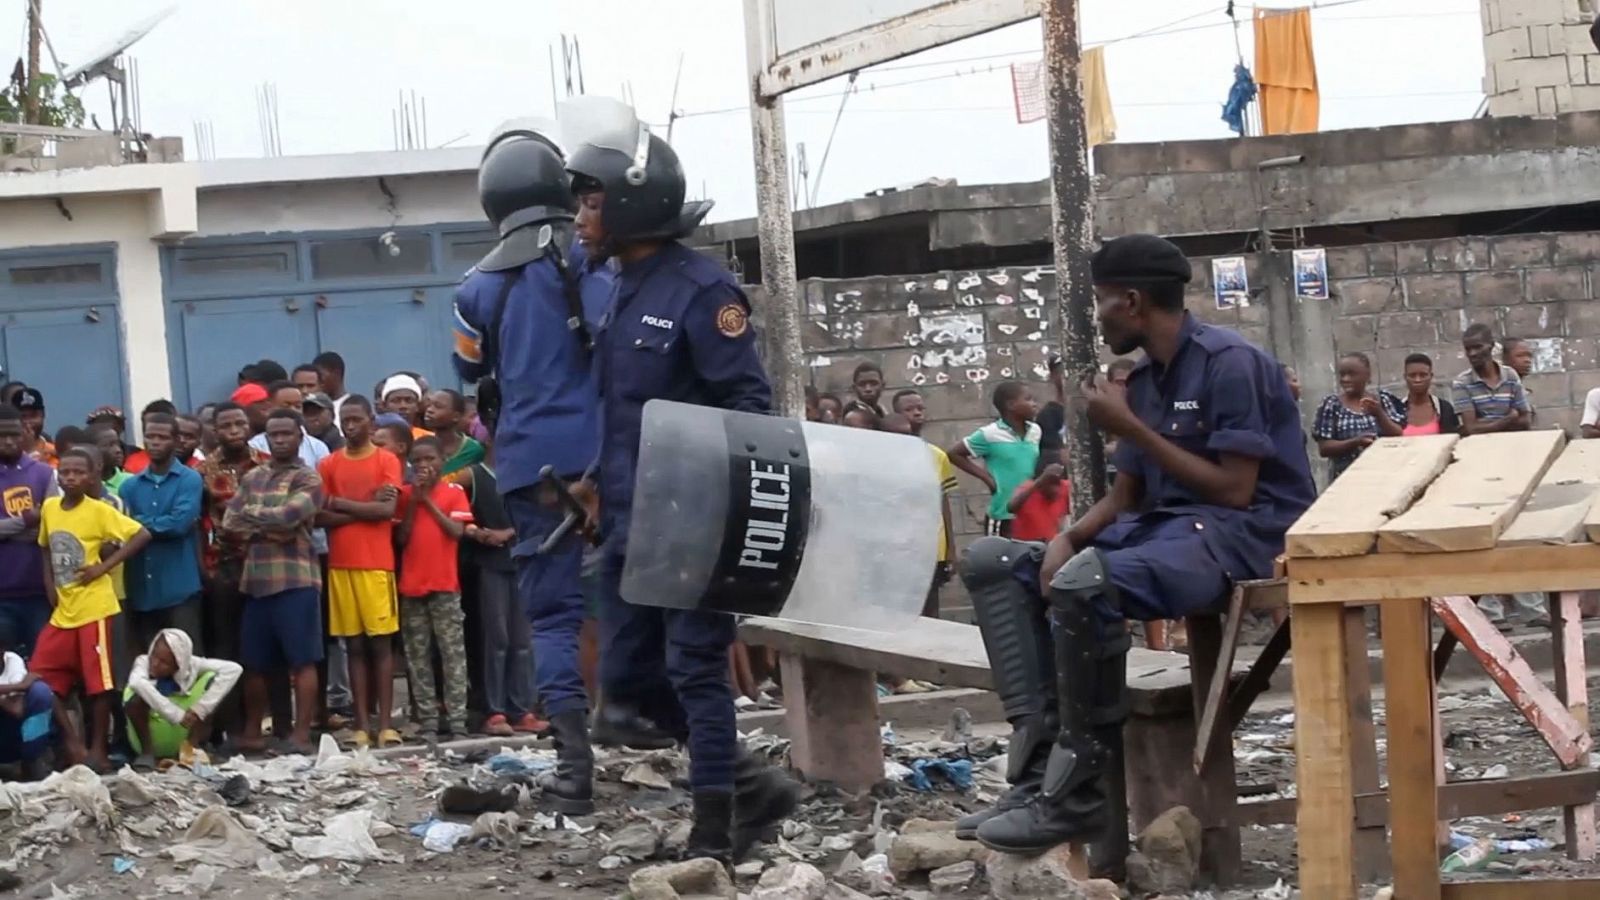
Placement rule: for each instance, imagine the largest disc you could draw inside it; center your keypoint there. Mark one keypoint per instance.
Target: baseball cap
(249, 393)
(1139, 258)
(318, 398)
(29, 400)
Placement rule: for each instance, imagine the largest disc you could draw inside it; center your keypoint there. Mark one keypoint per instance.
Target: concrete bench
(831, 699)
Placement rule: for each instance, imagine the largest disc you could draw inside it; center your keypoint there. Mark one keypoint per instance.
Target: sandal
(389, 738)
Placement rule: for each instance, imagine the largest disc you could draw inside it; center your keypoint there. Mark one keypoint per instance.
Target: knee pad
(1081, 590)
(994, 559)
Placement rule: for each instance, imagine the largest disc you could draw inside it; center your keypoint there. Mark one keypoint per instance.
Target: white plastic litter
(496, 826)
(347, 837)
(442, 837)
(215, 837)
(645, 775)
(331, 761)
(85, 790)
(130, 788)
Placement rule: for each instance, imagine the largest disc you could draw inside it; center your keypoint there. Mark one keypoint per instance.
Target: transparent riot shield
(769, 516)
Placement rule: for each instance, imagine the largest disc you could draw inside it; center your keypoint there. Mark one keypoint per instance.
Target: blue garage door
(221, 336)
(381, 332)
(59, 331)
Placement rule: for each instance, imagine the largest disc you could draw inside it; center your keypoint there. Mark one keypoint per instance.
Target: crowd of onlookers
(277, 542)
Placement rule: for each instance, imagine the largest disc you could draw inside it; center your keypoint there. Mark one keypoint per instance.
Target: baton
(575, 510)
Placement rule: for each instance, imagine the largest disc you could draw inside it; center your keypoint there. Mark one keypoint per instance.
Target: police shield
(770, 516)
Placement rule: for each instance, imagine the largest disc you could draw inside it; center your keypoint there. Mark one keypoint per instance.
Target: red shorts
(64, 658)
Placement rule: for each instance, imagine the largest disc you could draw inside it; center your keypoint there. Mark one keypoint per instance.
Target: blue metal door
(74, 356)
(380, 332)
(221, 336)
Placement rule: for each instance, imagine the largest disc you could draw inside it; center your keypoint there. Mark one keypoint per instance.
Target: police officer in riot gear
(524, 320)
(678, 328)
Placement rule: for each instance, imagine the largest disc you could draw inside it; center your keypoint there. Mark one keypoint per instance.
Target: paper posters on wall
(1311, 274)
(1231, 282)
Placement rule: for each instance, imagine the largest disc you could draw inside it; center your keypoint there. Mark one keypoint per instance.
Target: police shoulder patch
(732, 320)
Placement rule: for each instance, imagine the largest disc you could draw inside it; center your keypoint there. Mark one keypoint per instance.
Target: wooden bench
(831, 700)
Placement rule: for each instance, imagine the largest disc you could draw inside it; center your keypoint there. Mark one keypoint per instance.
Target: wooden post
(832, 712)
(31, 86)
(1413, 794)
(1371, 847)
(1566, 639)
(1211, 661)
(1324, 784)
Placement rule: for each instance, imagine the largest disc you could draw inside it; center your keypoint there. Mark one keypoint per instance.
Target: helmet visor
(605, 123)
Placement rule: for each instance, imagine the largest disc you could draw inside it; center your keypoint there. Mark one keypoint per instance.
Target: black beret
(1139, 258)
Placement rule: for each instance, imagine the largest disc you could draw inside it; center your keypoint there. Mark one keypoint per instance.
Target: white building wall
(331, 206)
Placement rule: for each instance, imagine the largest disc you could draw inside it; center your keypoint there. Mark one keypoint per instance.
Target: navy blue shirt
(549, 406)
(167, 572)
(678, 329)
(1221, 395)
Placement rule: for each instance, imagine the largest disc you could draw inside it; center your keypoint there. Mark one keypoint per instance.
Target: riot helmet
(522, 182)
(643, 183)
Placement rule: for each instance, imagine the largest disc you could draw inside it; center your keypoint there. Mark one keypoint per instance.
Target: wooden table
(1494, 514)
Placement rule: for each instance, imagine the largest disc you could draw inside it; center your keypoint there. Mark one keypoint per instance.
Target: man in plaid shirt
(281, 626)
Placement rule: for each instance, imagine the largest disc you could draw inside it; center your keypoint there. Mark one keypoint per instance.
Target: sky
(339, 68)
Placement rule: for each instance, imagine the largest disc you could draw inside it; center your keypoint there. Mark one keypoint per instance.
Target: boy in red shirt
(436, 513)
(1040, 505)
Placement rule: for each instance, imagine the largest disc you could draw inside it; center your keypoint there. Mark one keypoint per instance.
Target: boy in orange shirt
(436, 515)
(362, 484)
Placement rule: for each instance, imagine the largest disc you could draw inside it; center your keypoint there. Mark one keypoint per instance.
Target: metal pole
(1071, 205)
(775, 229)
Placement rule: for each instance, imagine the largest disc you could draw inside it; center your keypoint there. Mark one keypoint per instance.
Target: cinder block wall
(955, 335)
(1538, 57)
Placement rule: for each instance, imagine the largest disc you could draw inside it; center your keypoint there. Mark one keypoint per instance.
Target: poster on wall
(1311, 274)
(1230, 281)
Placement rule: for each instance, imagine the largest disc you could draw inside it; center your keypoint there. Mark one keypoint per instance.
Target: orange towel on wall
(1286, 71)
(1097, 112)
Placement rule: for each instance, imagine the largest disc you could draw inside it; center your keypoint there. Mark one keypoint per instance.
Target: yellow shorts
(362, 602)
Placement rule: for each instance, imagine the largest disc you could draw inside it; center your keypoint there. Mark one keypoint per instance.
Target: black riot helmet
(643, 182)
(522, 183)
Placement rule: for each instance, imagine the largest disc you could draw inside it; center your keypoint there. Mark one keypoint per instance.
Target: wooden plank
(1413, 795)
(1566, 640)
(1372, 857)
(1381, 484)
(1259, 677)
(1568, 738)
(1562, 506)
(1468, 506)
(1220, 855)
(1396, 576)
(1523, 889)
(1326, 816)
(1458, 799)
(832, 715)
(1213, 690)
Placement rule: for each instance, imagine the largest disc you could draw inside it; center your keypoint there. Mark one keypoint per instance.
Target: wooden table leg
(832, 713)
(1210, 663)
(1566, 633)
(1326, 816)
(1413, 795)
(1372, 841)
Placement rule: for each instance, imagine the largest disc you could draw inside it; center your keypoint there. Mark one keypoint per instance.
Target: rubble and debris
(441, 836)
(671, 881)
(215, 837)
(791, 881)
(911, 853)
(954, 879)
(1061, 872)
(635, 842)
(348, 837)
(1168, 856)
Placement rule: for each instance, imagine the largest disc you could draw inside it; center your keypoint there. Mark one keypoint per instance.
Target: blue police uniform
(549, 416)
(1177, 554)
(678, 329)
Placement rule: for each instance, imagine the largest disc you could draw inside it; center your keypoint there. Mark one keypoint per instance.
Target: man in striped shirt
(1488, 397)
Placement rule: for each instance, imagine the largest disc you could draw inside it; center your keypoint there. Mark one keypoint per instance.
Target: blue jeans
(551, 589)
(28, 737)
(21, 620)
(671, 664)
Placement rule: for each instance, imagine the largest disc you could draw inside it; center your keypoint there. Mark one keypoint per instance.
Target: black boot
(621, 725)
(1016, 636)
(763, 796)
(1091, 659)
(570, 788)
(711, 835)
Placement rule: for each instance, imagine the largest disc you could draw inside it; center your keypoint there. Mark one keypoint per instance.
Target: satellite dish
(100, 63)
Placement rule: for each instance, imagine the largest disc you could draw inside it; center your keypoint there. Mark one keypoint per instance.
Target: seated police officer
(1211, 471)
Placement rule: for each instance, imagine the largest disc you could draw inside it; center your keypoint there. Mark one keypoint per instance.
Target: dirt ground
(57, 849)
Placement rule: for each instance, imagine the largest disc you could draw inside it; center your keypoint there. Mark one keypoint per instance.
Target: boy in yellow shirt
(75, 647)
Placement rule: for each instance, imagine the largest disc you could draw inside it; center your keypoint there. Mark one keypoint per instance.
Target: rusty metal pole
(31, 86)
(780, 337)
(1071, 208)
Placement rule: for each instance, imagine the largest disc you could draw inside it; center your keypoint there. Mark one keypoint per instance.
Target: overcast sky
(339, 66)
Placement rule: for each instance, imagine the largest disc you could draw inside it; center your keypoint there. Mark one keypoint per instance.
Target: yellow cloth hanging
(1098, 115)
(1286, 71)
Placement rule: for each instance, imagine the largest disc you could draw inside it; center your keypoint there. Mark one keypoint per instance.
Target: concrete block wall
(1539, 59)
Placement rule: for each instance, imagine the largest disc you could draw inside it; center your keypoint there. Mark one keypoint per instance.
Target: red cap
(249, 393)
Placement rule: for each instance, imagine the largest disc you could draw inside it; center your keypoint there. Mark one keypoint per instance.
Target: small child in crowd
(1003, 454)
(171, 696)
(867, 385)
(75, 646)
(26, 704)
(1041, 504)
(435, 515)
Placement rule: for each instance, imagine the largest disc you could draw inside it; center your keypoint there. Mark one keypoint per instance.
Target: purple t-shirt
(23, 487)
